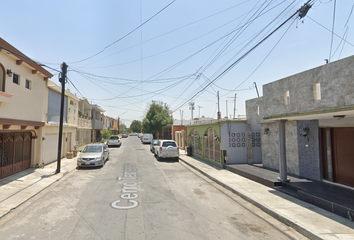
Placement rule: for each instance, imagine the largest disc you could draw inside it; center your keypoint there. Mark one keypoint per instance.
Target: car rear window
(114, 138)
(89, 149)
(166, 144)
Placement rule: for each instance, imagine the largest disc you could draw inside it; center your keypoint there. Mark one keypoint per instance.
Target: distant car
(147, 138)
(114, 140)
(153, 144)
(167, 149)
(93, 155)
(133, 134)
(124, 135)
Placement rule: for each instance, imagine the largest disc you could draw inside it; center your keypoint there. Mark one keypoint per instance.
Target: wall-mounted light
(305, 132)
(266, 130)
(339, 117)
(9, 72)
(43, 138)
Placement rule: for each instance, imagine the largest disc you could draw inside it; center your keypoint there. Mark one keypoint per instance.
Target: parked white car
(147, 138)
(167, 149)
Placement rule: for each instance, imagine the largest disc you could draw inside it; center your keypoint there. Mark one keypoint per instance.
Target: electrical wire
(25, 57)
(331, 31)
(243, 56)
(334, 18)
(125, 34)
(248, 42)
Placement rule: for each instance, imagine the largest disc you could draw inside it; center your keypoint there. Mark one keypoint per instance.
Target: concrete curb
(269, 211)
(55, 177)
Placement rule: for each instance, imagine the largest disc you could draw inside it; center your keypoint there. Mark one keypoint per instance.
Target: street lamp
(118, 121)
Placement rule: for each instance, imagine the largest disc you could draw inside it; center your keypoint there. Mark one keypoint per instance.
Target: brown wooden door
(343, 150)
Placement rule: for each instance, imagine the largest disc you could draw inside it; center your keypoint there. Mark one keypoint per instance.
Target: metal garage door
(51, 148)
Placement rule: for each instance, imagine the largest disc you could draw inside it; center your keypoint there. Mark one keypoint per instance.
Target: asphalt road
(134, 196)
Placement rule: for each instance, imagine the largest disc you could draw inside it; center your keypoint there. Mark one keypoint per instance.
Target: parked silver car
(114, 140)
(93, 155)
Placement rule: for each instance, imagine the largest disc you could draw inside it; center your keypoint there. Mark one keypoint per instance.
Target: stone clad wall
(309, 148)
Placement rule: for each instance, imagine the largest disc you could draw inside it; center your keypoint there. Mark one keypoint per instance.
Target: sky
(122, 55)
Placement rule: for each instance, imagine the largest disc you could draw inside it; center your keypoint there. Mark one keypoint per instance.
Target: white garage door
(51, 148)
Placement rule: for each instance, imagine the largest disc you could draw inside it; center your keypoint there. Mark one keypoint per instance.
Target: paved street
(134, 196)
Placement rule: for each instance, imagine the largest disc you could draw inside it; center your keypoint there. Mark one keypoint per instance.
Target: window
(28, 84)
(317, 91)
(71, 102)
(2, 79)
(16, 78)
(287, 97)
(257, 109)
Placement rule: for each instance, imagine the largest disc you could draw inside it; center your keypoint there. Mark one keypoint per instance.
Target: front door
(338, 155)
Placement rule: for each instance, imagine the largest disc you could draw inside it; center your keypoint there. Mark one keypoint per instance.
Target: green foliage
(135, 126)
(106, 133)
(157, 116)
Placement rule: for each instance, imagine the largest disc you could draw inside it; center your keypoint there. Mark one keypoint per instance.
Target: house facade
(23, 97)
(307, 123)
(84, 129)
(50, 131)
(97, 123)
(220, 141)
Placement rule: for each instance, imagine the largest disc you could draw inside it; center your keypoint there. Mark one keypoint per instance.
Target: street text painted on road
(129, 189)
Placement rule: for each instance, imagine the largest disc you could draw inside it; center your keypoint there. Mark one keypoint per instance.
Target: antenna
(191, 107)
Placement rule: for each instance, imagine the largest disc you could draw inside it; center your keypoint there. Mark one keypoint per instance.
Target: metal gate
(212, 146)
(15, 152)
(195, 142)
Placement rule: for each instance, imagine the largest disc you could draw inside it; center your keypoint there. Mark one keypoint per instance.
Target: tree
(157, 116)
(135, 126)
(106, 133)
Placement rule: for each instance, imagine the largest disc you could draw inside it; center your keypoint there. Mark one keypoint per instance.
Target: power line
(125, 34)
(243, 56)
(25, 57)
(334, 18)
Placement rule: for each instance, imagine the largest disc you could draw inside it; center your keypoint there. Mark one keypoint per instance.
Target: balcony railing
(85, 123)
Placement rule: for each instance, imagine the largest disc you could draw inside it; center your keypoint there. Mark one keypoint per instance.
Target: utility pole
(62, 79)
(234, 105)
(181, 112)
(199, 110)
(255, 84)
(219, 113)
(118, 126)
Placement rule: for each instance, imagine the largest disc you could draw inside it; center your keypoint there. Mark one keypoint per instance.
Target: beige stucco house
(23, 97)
(50, 131)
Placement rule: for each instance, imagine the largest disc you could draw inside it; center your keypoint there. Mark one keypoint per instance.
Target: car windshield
(166, 144)
(89, 149)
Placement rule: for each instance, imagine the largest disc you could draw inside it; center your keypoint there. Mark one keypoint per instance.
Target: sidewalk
(309, 220)
(21, 186)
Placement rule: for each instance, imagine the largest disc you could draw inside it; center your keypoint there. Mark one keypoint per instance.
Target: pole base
(286, 180)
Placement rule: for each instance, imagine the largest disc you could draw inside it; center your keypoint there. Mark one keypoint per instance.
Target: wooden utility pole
(62, 79)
